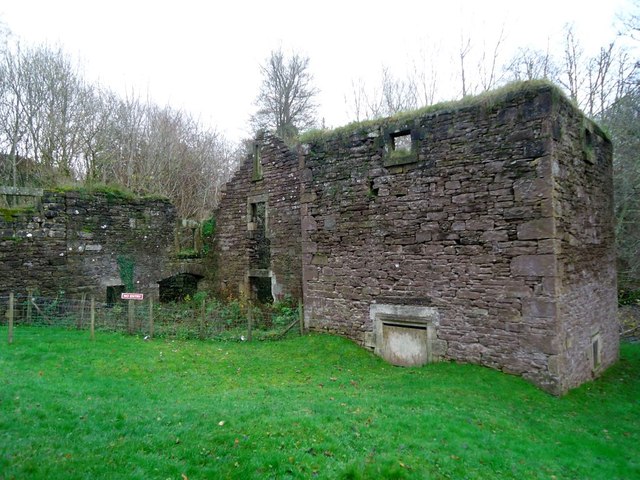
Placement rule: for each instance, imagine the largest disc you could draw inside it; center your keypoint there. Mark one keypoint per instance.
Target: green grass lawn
(309, 407)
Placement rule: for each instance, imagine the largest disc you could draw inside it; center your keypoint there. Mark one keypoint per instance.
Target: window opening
(373, 190)
(260, 245)
(400, 149)
(401, 142)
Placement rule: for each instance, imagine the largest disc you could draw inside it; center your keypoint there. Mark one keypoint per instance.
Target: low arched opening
(179, 287)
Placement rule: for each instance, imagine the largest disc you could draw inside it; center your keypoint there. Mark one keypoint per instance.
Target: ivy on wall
(126, 268)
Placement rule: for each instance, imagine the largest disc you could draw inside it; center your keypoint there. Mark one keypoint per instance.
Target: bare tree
(488, 63)
(424, 76)
(97, 107)
(286, 99)
(463, 53)
(391, 95)
(398, 94)
(572, 77)
(530, 64)
(630, 21)
(486, 60)
(11, 116)
(357, 101)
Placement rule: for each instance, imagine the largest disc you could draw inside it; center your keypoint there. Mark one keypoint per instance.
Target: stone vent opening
(405, 340)
(178, 287)
(405, 335)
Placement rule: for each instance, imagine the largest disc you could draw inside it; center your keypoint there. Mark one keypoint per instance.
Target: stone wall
(70, 242)
(480, 232)
(268, 250)
(583, 210)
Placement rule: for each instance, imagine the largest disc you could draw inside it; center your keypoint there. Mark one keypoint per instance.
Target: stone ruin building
(478, 232)
(80, 243)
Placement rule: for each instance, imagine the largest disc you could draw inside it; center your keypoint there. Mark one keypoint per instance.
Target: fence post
(150, 318)
(203, 319)
(301, 317)
(130, 312)
(81, 319)
(10, 313)
(29, 296)
(93, 319)
(250, 322)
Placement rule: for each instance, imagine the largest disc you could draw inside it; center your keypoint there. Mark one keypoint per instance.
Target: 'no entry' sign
(132, 296)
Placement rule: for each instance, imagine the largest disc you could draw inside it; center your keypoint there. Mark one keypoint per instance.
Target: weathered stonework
(496, 221)
(71, 242)
(251, 248)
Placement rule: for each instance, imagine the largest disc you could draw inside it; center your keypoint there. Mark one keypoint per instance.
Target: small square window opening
(401, 142)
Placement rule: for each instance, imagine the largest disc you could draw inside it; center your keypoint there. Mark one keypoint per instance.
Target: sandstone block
(541, 228)
(534, 266)
(539, 307)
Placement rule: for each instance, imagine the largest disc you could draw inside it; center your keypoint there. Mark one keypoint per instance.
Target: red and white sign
(132, 296)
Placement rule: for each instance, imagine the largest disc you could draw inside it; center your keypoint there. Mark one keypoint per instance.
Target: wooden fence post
(10, 314)
(81, 318)
(29, 296)
(130, 312)
(301, 318)
(203, 320)
(92, 327)
(150, 318)
(250, 322)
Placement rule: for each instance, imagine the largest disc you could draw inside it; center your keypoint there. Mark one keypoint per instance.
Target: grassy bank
(309, 407)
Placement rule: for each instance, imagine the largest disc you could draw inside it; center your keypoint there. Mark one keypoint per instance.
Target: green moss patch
(12, 214)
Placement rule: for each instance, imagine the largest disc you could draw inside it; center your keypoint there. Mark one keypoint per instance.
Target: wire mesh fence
(201, 319)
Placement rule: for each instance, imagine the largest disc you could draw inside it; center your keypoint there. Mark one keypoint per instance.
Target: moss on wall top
(111, 192)
(490, 100)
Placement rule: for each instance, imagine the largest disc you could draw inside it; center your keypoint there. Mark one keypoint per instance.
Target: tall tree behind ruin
(622, 121)
(286, 102)
(38, 111)
(57, 128)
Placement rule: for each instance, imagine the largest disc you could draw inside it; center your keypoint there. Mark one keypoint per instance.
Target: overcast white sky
(203, 56)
